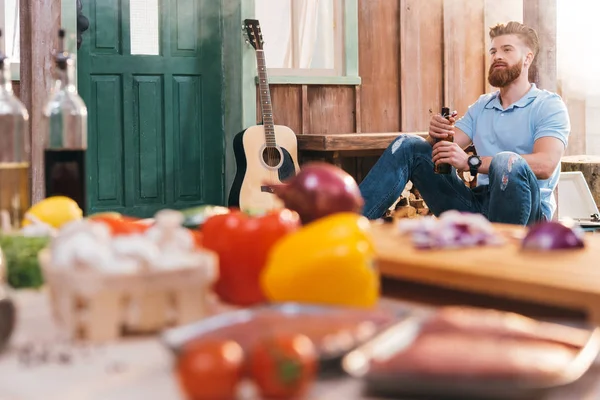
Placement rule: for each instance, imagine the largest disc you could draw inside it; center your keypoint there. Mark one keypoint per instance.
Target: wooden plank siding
(421, 60)
(401, 65)
(498, 12)
(40, 21)
(379, 55)
(414, 56)
(464, 54)
(541, 16)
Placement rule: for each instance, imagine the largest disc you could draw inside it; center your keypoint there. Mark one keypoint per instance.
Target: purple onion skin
(320, 189)
(552, 235)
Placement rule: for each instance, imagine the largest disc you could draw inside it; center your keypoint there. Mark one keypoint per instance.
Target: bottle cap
(62, 57)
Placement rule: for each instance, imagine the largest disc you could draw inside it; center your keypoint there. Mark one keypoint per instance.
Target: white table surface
(139, 368)
(130, 369)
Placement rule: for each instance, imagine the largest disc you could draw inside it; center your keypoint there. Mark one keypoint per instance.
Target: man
(519, 132)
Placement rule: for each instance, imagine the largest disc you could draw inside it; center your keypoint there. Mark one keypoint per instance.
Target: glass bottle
(444, 168)
(65, 139)
(14, 150)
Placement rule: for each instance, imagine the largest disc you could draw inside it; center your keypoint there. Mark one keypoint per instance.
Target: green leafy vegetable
(20, 252)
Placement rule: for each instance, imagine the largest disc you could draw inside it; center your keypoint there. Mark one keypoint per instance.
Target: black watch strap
(473, 169)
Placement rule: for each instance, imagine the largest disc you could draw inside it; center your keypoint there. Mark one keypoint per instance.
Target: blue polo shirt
(493, 129)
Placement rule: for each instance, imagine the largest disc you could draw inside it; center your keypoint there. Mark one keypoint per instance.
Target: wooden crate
(97, 306)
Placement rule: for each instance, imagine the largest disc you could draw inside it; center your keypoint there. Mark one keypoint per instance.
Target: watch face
(474, 161)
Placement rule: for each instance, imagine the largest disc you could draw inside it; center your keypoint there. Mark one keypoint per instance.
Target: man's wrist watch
(474, 164)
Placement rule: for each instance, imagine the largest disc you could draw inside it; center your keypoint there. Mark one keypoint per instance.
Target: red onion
(320, 189)
(552, 235)
(453, 229)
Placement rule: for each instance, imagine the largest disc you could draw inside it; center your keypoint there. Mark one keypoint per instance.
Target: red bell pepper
(243, 243)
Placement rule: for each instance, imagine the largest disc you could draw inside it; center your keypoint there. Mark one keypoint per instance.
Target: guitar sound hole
(272, 156)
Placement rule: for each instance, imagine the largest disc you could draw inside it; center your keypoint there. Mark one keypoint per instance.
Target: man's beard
(503, 77)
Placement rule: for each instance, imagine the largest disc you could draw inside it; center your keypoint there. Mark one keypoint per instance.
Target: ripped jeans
(512, 195)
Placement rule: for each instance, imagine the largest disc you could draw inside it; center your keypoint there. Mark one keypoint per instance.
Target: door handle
(83, 23)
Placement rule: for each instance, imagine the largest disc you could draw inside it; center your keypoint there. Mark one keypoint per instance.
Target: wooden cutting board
(566, 278)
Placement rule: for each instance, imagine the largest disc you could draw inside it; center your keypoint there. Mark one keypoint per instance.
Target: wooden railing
(333, 147)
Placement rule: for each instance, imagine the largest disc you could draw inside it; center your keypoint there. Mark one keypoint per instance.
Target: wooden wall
(413, 58)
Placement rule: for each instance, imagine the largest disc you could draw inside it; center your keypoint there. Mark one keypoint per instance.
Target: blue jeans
(512, 195)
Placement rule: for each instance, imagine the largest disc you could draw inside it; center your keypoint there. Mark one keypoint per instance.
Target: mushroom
(135, 249)
(82, 243)
(168, 233)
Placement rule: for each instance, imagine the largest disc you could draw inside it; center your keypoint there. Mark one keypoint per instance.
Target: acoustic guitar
(265, 154)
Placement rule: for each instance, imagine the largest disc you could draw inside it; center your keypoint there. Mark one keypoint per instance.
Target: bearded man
(519, 133)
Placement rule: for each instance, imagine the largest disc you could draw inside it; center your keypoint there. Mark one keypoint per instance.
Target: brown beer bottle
(444, 168)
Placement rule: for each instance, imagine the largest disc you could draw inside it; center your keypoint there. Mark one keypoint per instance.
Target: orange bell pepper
(243, 243)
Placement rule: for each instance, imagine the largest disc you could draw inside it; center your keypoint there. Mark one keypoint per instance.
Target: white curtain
(324, 49)
(275, 18)
(308, 23)
(305, 25)
(578, 61)
(10, 27)
(578, 48)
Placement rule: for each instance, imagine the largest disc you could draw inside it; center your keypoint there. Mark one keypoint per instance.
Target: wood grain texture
(40, 21)
(357, 110)
(350, 141)
(496, 12)
(287, 106)
(305, 109)
(541, 16)
(577, 108)
(17, 88)
(464, 54)
(564, 278)
(331, 109)
(421, 61)
(379, 45)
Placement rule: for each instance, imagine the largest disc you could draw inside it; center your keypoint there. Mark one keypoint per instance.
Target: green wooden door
(155, 121)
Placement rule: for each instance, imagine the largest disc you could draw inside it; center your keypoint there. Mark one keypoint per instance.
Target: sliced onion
(552, 235)
(453, 229)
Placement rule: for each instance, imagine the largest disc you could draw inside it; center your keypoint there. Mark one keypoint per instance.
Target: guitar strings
(271, 152)
(271, 155)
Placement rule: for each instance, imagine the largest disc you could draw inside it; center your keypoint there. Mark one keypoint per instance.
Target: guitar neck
(265, 99)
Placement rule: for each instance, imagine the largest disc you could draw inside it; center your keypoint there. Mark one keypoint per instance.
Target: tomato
(122, 225)
(283, 366)
(210, 370)
(243, 243)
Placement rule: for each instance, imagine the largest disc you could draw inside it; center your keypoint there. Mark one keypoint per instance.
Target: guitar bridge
(266, 189)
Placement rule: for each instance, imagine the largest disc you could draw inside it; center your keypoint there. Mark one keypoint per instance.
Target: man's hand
(450, 153)
(440, 127)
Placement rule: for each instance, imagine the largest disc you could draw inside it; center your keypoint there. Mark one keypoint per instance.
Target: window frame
(345, 71)
(68, 22)
(15, 65)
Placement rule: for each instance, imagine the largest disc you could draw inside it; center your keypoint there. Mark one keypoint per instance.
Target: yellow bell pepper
(329, 261)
